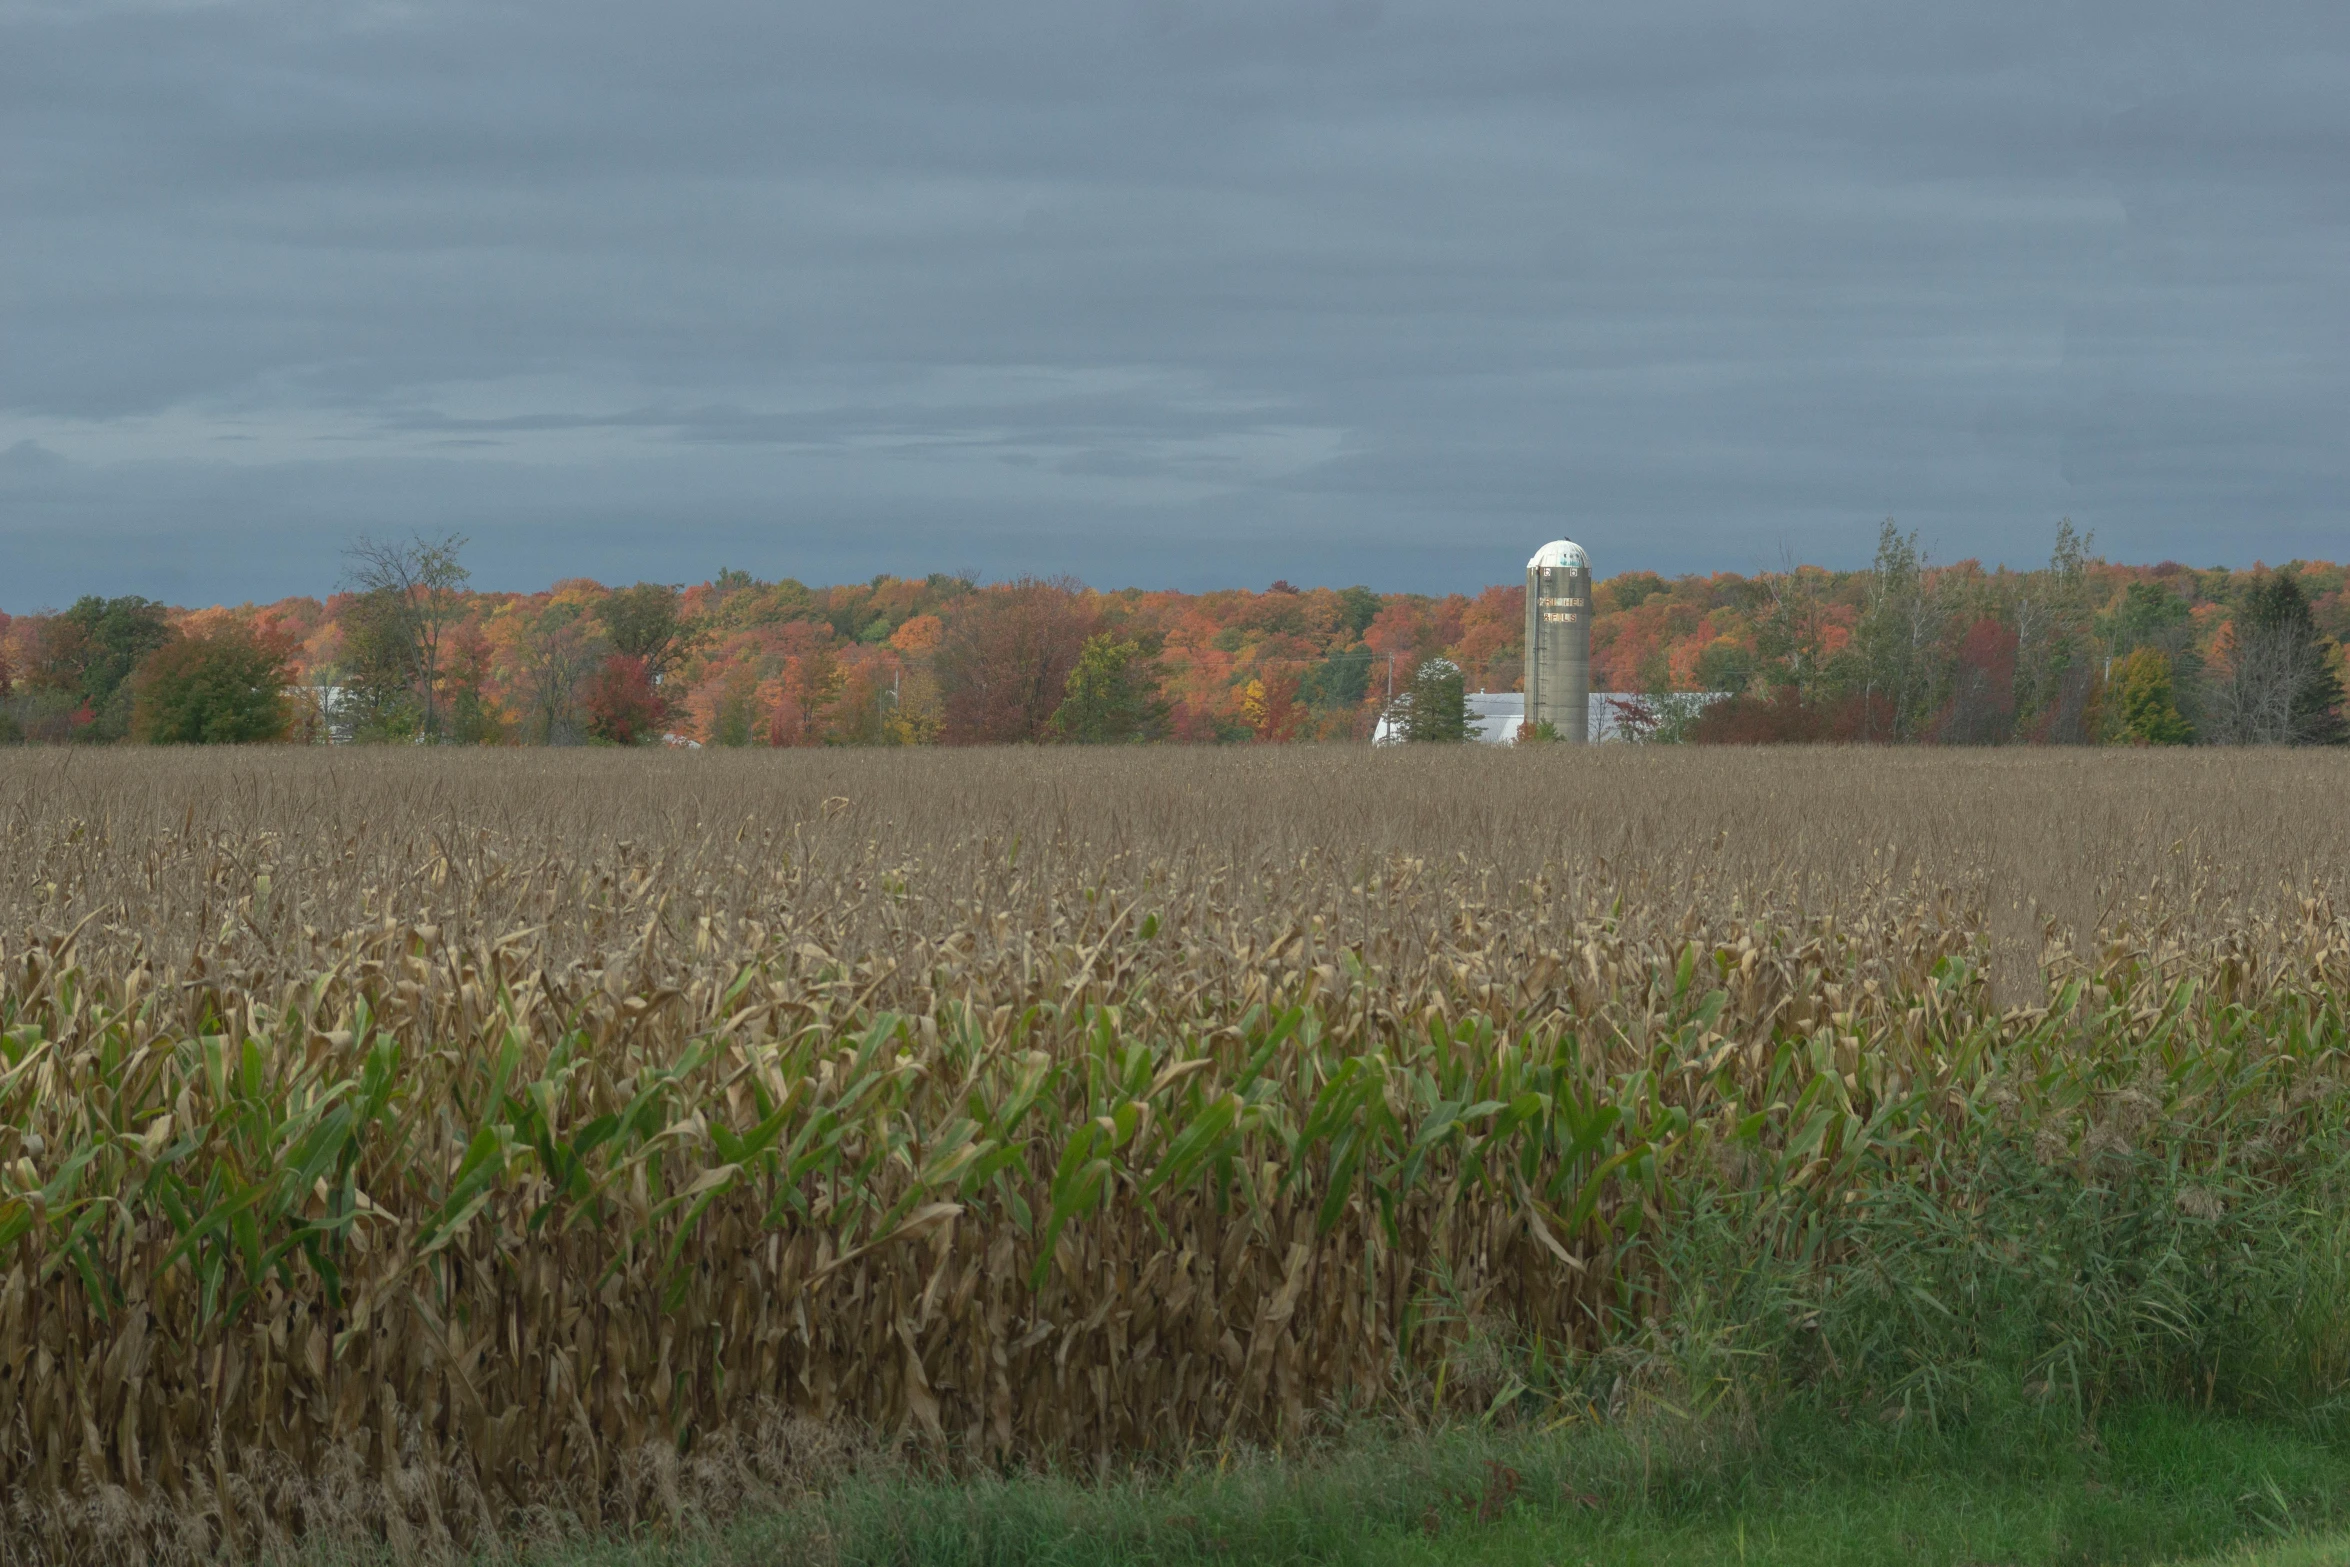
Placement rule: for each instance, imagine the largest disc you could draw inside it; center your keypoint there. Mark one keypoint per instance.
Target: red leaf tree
(1982, 697)
(622, 704)
(1004, 658)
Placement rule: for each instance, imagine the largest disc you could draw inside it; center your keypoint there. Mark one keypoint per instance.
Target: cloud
(29, 460)
(1191, 293)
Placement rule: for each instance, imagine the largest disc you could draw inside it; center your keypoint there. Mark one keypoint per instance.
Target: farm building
(1495, 716)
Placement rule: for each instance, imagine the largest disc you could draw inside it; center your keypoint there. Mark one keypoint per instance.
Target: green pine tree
(2277, 629)
(1439, 704)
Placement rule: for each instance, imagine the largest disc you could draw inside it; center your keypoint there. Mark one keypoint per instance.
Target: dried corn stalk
(428, 1167)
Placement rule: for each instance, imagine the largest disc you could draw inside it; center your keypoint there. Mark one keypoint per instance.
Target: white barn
(1495, 716)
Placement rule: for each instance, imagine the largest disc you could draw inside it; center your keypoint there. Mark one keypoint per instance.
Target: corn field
(432, 1143)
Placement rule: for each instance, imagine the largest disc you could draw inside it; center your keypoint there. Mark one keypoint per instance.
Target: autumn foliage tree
(1112, 695)
(648, 623)
(1269, 706)
(552, 651)
(622, 706)
(2141, 704)
(223, 686)
(804, 687)
(376, 674)
(471, 717)
(415, 590)
(88, 654)
(1983, 698)
(1004, 658)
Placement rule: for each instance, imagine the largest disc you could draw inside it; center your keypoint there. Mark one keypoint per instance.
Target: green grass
(2331, 1551)
(2155, 1485)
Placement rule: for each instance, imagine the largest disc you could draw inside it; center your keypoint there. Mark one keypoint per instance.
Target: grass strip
(2156, 1484)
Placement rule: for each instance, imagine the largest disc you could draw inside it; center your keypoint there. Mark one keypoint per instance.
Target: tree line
(2081, 651)
(2076, 653)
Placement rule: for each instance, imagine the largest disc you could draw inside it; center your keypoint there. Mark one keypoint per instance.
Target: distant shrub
(1783, 717)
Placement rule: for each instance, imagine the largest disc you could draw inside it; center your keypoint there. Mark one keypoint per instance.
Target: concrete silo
(1558, 640)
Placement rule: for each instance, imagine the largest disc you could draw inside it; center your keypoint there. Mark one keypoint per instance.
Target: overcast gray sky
(1160, 292)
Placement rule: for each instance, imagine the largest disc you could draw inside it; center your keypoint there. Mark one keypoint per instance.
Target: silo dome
(1560, 554)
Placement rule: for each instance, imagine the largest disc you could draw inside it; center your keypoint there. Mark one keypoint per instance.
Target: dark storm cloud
(1163, 292)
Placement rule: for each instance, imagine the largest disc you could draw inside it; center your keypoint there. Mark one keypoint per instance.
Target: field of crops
(448, 1146)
